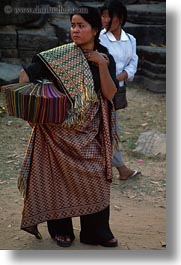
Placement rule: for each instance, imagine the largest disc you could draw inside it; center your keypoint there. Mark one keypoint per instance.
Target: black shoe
(64, 241)
(109, 244)
(101, 243)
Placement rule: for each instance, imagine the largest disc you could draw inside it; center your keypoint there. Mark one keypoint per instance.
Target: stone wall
(23, 34)
(147, 22)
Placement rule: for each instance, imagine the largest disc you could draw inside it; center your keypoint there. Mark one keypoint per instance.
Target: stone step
(147, 34)
(156, 86)
(37, 39)
(8, 37)
(154, 68)
(150, 14)
(153, 76)
(155, 55)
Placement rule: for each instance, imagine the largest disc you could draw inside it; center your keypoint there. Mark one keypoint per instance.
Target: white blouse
(123, 51)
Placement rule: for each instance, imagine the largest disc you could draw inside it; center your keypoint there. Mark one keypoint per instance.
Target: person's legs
(62, 231)
(95, 229)
(117, 160)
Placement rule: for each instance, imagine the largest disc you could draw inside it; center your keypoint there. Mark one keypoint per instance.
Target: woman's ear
(95, 31)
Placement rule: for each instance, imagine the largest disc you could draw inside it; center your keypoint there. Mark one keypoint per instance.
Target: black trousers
(94, 227)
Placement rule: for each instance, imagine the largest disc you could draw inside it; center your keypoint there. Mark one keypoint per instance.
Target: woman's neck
(87, 47)
(117, 33)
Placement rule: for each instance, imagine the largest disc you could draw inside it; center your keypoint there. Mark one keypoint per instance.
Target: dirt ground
(138, 205)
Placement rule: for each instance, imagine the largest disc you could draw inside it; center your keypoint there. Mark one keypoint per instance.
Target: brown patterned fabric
(71, 169)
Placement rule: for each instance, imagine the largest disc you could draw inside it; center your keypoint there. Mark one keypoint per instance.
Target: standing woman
(67, 170)
(122, 47)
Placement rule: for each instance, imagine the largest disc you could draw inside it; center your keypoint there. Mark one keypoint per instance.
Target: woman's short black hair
(89, 14)
(92, 16)
(115, 8)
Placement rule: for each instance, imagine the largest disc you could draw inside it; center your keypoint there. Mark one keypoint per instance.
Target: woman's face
(82, 33)
(105, 18)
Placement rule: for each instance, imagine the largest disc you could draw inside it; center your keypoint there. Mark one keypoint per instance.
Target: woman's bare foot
(125, 173)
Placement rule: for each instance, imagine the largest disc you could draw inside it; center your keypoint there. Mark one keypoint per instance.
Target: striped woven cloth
(35, 102)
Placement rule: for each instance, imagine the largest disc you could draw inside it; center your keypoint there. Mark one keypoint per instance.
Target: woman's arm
(23, 77)
(131, 67)
(108, 87)
(36, 70)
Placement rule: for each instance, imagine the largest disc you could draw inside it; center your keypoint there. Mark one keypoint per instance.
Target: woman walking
(67, 169)
(122, 47)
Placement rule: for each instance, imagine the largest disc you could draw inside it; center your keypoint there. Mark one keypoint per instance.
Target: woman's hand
(108, 87)
(23, 77)
(122, 76)
(96, 57)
